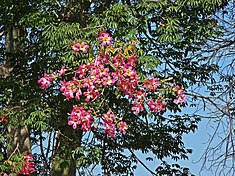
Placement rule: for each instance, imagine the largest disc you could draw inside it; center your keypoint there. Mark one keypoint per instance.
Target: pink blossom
(82, 69)
(81, 117)
(109, 124)
(79, 47)
(28, 165)
(102, 59)
(110, 129)
(3, 119)
(78, 94)
(108, 117)
(151, 84)
(105, 38)
(91, 94)
(156, 105)
(108, 81)
(137, 107)
(62, 71)
(5, 174)
(140, 94)
(83, 47)
(132, 61)
(118, 61)
(45, 81)
(181, 98)
(123, 127)
(75, 47)
(102, 71)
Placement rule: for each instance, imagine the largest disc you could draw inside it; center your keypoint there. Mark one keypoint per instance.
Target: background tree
(170, 35)
(217, 96)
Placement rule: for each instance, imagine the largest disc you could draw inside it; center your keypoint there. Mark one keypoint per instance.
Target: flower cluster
(28, 166)
(105, 38)
(119, 73)
(180, 95)
(109, 124)
(76, 47)
(45, 81)
(156, 105)
(81, 117)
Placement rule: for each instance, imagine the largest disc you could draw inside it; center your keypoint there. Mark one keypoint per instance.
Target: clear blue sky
(197, 142)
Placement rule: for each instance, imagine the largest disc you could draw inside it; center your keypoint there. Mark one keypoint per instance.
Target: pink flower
(5, 174)
(73, 122)
(75, 47)
(105, 38)
(81, 117)
(78, 94)
(140, 94)
(28, 165)
(156, 106)
(83, 47)
(118, 61)
(137, 107)
(108, 81)
(82, 69)
(181, 98)
(102, 71)
(45, 81)
(91, 94)
(108, 117)
(132, 61)
(62, 71)
(123, 127)
(3, 119)
(79, 47)
(151, 84)
(110, 129)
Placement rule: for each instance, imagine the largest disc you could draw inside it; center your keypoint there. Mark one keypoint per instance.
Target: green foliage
(39, 120)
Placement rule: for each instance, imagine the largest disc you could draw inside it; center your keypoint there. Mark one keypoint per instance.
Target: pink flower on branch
(181, 98)
(3, 119)
(79, 47)
(156, 105)
(109, 124)
(45, 81)
(28, 166)
(123, 127)
(105, 38)
(62, 71)
(151, 84)
(83, 47)
(132, 61)
(137, 107)
(81, 117)
(74, 47)
(93, 80)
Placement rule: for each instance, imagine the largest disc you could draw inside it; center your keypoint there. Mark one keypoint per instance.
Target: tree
(169, 33)
(218, 96)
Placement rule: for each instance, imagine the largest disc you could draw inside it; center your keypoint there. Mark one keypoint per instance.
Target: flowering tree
(98, 90)
(92, 82)
(101, 100)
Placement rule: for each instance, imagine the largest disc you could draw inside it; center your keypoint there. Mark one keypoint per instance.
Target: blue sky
(196, 141)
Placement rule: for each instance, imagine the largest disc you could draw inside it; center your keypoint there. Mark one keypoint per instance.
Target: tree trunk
(14, 42)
